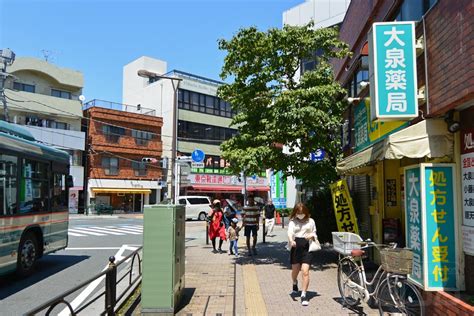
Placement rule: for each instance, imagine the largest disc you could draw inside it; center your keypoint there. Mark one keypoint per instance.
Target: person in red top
(217, 227)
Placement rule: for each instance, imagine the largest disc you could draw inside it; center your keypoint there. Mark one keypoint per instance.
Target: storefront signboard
(343, 209)
(366, 132)
(392, 71)
(432, 225)
(467, 185)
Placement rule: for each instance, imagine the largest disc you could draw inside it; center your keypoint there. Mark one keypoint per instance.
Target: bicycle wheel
(347, 276)
(398, 295)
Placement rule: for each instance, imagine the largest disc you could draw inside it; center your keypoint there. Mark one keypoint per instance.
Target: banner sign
(344, 211)
(432, 225)
(278, 189)
(392, 71)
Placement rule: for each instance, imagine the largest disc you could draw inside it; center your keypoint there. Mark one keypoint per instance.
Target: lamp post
(174, 134)
(7, 57)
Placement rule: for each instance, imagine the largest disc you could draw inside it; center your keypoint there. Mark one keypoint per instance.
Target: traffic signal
(149, 160)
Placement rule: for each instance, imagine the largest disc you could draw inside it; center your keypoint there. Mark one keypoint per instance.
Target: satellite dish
(82, 98)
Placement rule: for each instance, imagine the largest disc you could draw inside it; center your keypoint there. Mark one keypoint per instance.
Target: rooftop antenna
(48, 54)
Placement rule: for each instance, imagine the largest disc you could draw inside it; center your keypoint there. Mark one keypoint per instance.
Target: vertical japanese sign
(392, 71)
(345, 215)
(414, 221)
(467, 178)
(431, 225)
(278, 189)
(440, 227)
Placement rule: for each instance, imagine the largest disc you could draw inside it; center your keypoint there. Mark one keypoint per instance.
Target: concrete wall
(324, 13)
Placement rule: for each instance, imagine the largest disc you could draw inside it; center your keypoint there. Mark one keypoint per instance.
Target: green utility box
(163, 259)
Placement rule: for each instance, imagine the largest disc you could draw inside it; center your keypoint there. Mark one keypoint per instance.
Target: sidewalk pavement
(220, 284)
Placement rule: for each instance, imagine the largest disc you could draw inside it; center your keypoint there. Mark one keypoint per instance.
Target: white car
(197, 207)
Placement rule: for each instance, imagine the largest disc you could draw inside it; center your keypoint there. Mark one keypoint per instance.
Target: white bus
(34, 214)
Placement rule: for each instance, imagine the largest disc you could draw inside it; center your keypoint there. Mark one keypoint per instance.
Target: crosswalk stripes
(120, 230)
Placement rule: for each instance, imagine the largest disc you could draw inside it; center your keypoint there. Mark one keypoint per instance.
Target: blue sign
(392, 71)
(440, 227)
(318, 155)
(414, 221)
(198, 155)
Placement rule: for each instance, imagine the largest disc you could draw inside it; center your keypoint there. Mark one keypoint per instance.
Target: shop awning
(227, 188)
(129, 191)
(428, 138)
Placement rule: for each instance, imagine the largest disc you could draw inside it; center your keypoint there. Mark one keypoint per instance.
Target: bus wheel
(27, 254)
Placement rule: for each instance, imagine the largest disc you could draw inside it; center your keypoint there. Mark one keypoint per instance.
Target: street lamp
(174, 135)
(7, 57)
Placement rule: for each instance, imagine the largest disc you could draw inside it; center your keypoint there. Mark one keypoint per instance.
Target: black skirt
(300, 253)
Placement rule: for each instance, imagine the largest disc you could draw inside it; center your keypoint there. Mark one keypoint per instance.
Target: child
(233, 233)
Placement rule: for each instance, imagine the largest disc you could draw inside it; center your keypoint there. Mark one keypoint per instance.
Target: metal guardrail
(110, 291)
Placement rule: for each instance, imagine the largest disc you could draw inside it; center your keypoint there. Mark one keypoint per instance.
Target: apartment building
(44, 98)
(203, 122)
(123, 158)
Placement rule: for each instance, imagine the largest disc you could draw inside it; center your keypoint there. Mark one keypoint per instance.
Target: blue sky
(99, 37)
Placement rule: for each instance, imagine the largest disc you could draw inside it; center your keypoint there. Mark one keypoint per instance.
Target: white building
(203, 123)
(45, 99)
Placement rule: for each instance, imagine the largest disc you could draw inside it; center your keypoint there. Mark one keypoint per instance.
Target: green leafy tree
(274, 108)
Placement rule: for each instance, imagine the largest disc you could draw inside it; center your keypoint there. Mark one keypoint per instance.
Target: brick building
(378, 153)
(119, 137)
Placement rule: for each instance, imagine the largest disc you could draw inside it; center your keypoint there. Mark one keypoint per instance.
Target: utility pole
(174, 133)
(7, 57)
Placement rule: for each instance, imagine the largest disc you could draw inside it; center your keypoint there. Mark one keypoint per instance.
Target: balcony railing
(119, 107)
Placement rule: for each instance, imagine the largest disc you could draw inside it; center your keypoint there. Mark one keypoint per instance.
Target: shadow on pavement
(356, 310)
(276, 253)
(46, 267)
(188, 293)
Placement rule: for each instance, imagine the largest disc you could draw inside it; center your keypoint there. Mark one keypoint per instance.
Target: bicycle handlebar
(369, 243)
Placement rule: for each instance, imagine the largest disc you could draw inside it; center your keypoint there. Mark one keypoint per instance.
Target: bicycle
(393, 292)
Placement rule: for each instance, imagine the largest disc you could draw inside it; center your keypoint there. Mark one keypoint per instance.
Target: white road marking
(91, 287)
(75, 235)
(133, 226)
(107, 231)
(93, 248)
(85, 231)
(129, 231)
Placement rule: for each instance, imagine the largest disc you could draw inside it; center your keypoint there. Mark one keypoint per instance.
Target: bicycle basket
(398, 260)
(344, 242)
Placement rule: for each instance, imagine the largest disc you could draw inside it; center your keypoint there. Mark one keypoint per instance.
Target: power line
(110, 124)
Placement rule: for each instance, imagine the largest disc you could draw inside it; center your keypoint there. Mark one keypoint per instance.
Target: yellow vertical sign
(345, 215)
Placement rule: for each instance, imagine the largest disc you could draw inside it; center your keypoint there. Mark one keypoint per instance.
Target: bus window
(8, 184)
(34, 187)
(59, 196)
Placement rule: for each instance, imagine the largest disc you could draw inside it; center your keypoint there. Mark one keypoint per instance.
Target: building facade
(44, 98)
(203, 122)
(123, 156)
(379, 155)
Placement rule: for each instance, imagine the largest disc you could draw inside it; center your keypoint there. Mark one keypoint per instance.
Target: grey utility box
(163, 259)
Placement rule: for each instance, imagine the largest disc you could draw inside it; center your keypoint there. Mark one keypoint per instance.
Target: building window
(61, 94)
(139, 168)
(198, 102)
(112, 133)
(142, 137)
(413, 10)
(24, 87)
(110, 165)
(203, 133)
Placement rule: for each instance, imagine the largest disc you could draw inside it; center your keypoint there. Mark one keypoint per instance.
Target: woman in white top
(301, 230)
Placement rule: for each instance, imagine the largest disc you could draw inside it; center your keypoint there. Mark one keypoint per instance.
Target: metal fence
(119, 106)
(111, 299)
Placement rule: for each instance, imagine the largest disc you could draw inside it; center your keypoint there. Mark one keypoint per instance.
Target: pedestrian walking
(301, 231)
(269, 213)
(250, 220)
(233, 233)
(217, 227)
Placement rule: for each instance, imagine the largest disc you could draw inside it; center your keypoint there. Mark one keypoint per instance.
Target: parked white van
(197, 207)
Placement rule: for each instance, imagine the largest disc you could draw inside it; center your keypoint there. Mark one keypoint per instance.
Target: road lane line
(130, 231)
(84, 231)
(107, 230)
(133, 226)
